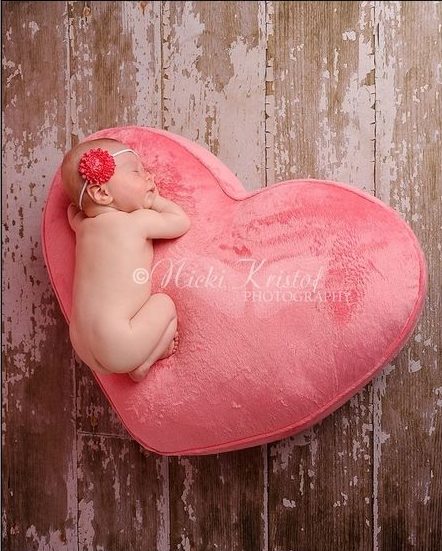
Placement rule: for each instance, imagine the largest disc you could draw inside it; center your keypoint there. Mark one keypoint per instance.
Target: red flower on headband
(97, 166)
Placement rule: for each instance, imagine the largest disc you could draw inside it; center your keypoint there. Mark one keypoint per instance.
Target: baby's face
(130, 184)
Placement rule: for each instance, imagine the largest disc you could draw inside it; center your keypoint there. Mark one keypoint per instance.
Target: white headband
(83, 189)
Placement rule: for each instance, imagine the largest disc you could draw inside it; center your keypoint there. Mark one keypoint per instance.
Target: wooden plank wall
(347, 91)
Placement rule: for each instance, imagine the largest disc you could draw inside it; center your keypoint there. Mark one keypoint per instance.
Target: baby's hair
(71, 177)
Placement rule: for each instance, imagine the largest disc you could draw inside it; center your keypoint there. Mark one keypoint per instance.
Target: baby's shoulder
(102, 224)
(111, 218)
(119, 223)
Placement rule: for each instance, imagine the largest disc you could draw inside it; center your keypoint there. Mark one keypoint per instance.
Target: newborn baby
(116, 325)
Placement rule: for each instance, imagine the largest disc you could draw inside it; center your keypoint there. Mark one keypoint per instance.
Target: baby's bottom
(135, 347)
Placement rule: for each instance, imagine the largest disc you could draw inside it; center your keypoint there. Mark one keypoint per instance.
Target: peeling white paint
(265, 497)
(349, 35)
(146, 49)
(71, 499)
(303, 438)
(18, 72)
(86, 532)
(27, 273)
(436, 410)
(163, 504)
(33, 26)
(366, 437)
(188, 482)
(270, 120)
(48, 542)
(314, 447)
(387, 20)
(379, 387)
(283, 450)
(184, 545)
(232, 116)
(301, 477)
(349, 158)
(414, 365)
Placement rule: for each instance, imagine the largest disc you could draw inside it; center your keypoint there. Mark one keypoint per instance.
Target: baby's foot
(172, 347)
(140, 373)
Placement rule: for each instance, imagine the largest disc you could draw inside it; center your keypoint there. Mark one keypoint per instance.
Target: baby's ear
(100, 194)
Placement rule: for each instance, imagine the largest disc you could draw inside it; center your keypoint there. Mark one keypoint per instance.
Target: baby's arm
(75, 215)
(164, 220)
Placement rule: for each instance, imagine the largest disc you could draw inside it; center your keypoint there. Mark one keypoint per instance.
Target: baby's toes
(175, 341)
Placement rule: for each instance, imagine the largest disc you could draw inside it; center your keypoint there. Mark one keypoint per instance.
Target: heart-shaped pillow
(290, 299)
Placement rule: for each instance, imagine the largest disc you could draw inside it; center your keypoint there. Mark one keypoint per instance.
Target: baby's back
(109, 248)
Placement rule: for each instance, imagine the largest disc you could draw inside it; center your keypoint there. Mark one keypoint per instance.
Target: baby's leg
(163, 349)
(132, 345)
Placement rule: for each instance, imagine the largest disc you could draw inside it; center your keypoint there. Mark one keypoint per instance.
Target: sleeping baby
(117, 325)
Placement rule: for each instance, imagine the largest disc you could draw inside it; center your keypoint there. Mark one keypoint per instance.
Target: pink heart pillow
(290, 299)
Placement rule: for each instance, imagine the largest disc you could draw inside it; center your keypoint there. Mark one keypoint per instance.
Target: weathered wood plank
(115, 60)
(407, 407)
(39, 455)
(320, 99)
(122, 496)
(214, 70)
(216, 501)
(214, 92)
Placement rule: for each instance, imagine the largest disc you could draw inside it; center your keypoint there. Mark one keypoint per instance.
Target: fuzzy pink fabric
(260, 358)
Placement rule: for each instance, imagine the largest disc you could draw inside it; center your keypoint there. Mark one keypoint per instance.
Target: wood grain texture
(408, 414)
(39, 446)
(216, 502)
(348, 91)
(122, 495)
(213, 80)
(321, 96)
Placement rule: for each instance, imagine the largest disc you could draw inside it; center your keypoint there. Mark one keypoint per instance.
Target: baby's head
(104, 174)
